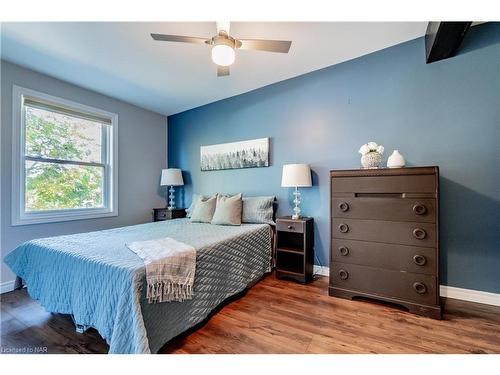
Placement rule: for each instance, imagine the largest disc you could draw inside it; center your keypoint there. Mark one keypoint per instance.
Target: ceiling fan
(224, 45)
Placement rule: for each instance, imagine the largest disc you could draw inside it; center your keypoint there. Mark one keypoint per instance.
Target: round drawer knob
(344, 228)
(420, 288)
(344, 275)
(419, 209)
(419, 260)
(344, 207)
(419, 233)
(290, 227)
(344, 251)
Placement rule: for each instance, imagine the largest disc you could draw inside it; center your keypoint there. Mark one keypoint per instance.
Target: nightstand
(295, 248)
(160, 214)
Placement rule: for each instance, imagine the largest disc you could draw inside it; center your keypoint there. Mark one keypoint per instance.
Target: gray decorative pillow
(194, 199)
(258, 210)
(204, 209)
(228, 210)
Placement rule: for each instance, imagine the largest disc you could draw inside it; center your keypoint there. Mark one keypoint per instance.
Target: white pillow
(228, 210)
(195, 199)
(204, 209)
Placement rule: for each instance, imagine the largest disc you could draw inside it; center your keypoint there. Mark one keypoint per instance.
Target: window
(64, 159)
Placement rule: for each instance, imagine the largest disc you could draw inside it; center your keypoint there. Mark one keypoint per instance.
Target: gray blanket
(228, 260)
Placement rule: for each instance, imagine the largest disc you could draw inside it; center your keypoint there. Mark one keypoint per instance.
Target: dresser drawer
(394, 257)
(425, 183)
(396, 232)
(290, 226)
(418, 288)
(378, 208)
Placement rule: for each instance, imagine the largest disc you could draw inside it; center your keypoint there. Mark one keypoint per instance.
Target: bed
(101, 283)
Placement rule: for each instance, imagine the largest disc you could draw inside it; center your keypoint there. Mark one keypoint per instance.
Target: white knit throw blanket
(170, 268)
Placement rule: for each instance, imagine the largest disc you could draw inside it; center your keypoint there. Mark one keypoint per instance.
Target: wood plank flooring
(276, 316)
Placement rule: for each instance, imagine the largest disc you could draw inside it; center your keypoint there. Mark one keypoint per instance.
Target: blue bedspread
(98, 280)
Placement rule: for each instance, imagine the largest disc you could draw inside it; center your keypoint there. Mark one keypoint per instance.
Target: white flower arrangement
(371, 147)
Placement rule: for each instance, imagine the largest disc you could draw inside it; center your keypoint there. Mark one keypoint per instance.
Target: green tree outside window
(56, 186)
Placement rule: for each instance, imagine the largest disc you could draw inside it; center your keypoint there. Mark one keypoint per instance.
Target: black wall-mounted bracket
(443, 39)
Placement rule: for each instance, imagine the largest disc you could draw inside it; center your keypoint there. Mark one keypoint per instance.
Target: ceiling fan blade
(178, 38)
(222, 71)
(282, 46)
(223, 26)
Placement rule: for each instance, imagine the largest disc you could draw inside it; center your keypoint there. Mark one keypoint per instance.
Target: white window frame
(19, 215)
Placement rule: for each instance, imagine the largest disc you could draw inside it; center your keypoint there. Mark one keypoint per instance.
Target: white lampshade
(171, 177)
(296, 175)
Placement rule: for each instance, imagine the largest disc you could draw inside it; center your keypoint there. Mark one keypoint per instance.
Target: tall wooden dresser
(384, 236)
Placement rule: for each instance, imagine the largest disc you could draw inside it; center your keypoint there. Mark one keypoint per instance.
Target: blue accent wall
(445, 114)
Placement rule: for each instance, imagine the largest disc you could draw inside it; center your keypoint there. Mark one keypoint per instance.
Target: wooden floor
(276, 316)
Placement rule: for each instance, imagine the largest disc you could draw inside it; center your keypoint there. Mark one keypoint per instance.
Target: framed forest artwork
(234, 155)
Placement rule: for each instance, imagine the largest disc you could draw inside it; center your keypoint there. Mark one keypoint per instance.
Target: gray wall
(141, 156)
(445, 114)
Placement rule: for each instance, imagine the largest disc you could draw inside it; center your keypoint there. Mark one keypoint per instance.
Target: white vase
(396, 160)
(371, 160)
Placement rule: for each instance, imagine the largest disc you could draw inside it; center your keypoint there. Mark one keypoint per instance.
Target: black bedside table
(161, 214)
(295, 248)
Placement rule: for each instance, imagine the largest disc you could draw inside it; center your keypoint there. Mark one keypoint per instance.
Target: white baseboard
(470, 295)
(446, 291)
(7, 286)
(321, 270)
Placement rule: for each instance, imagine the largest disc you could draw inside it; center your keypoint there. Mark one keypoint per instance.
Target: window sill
(43, 218)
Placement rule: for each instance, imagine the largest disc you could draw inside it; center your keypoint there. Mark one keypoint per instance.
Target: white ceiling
(121, 60)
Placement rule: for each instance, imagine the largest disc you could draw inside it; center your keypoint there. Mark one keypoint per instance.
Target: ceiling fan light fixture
(224, 45)
(223, 55)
